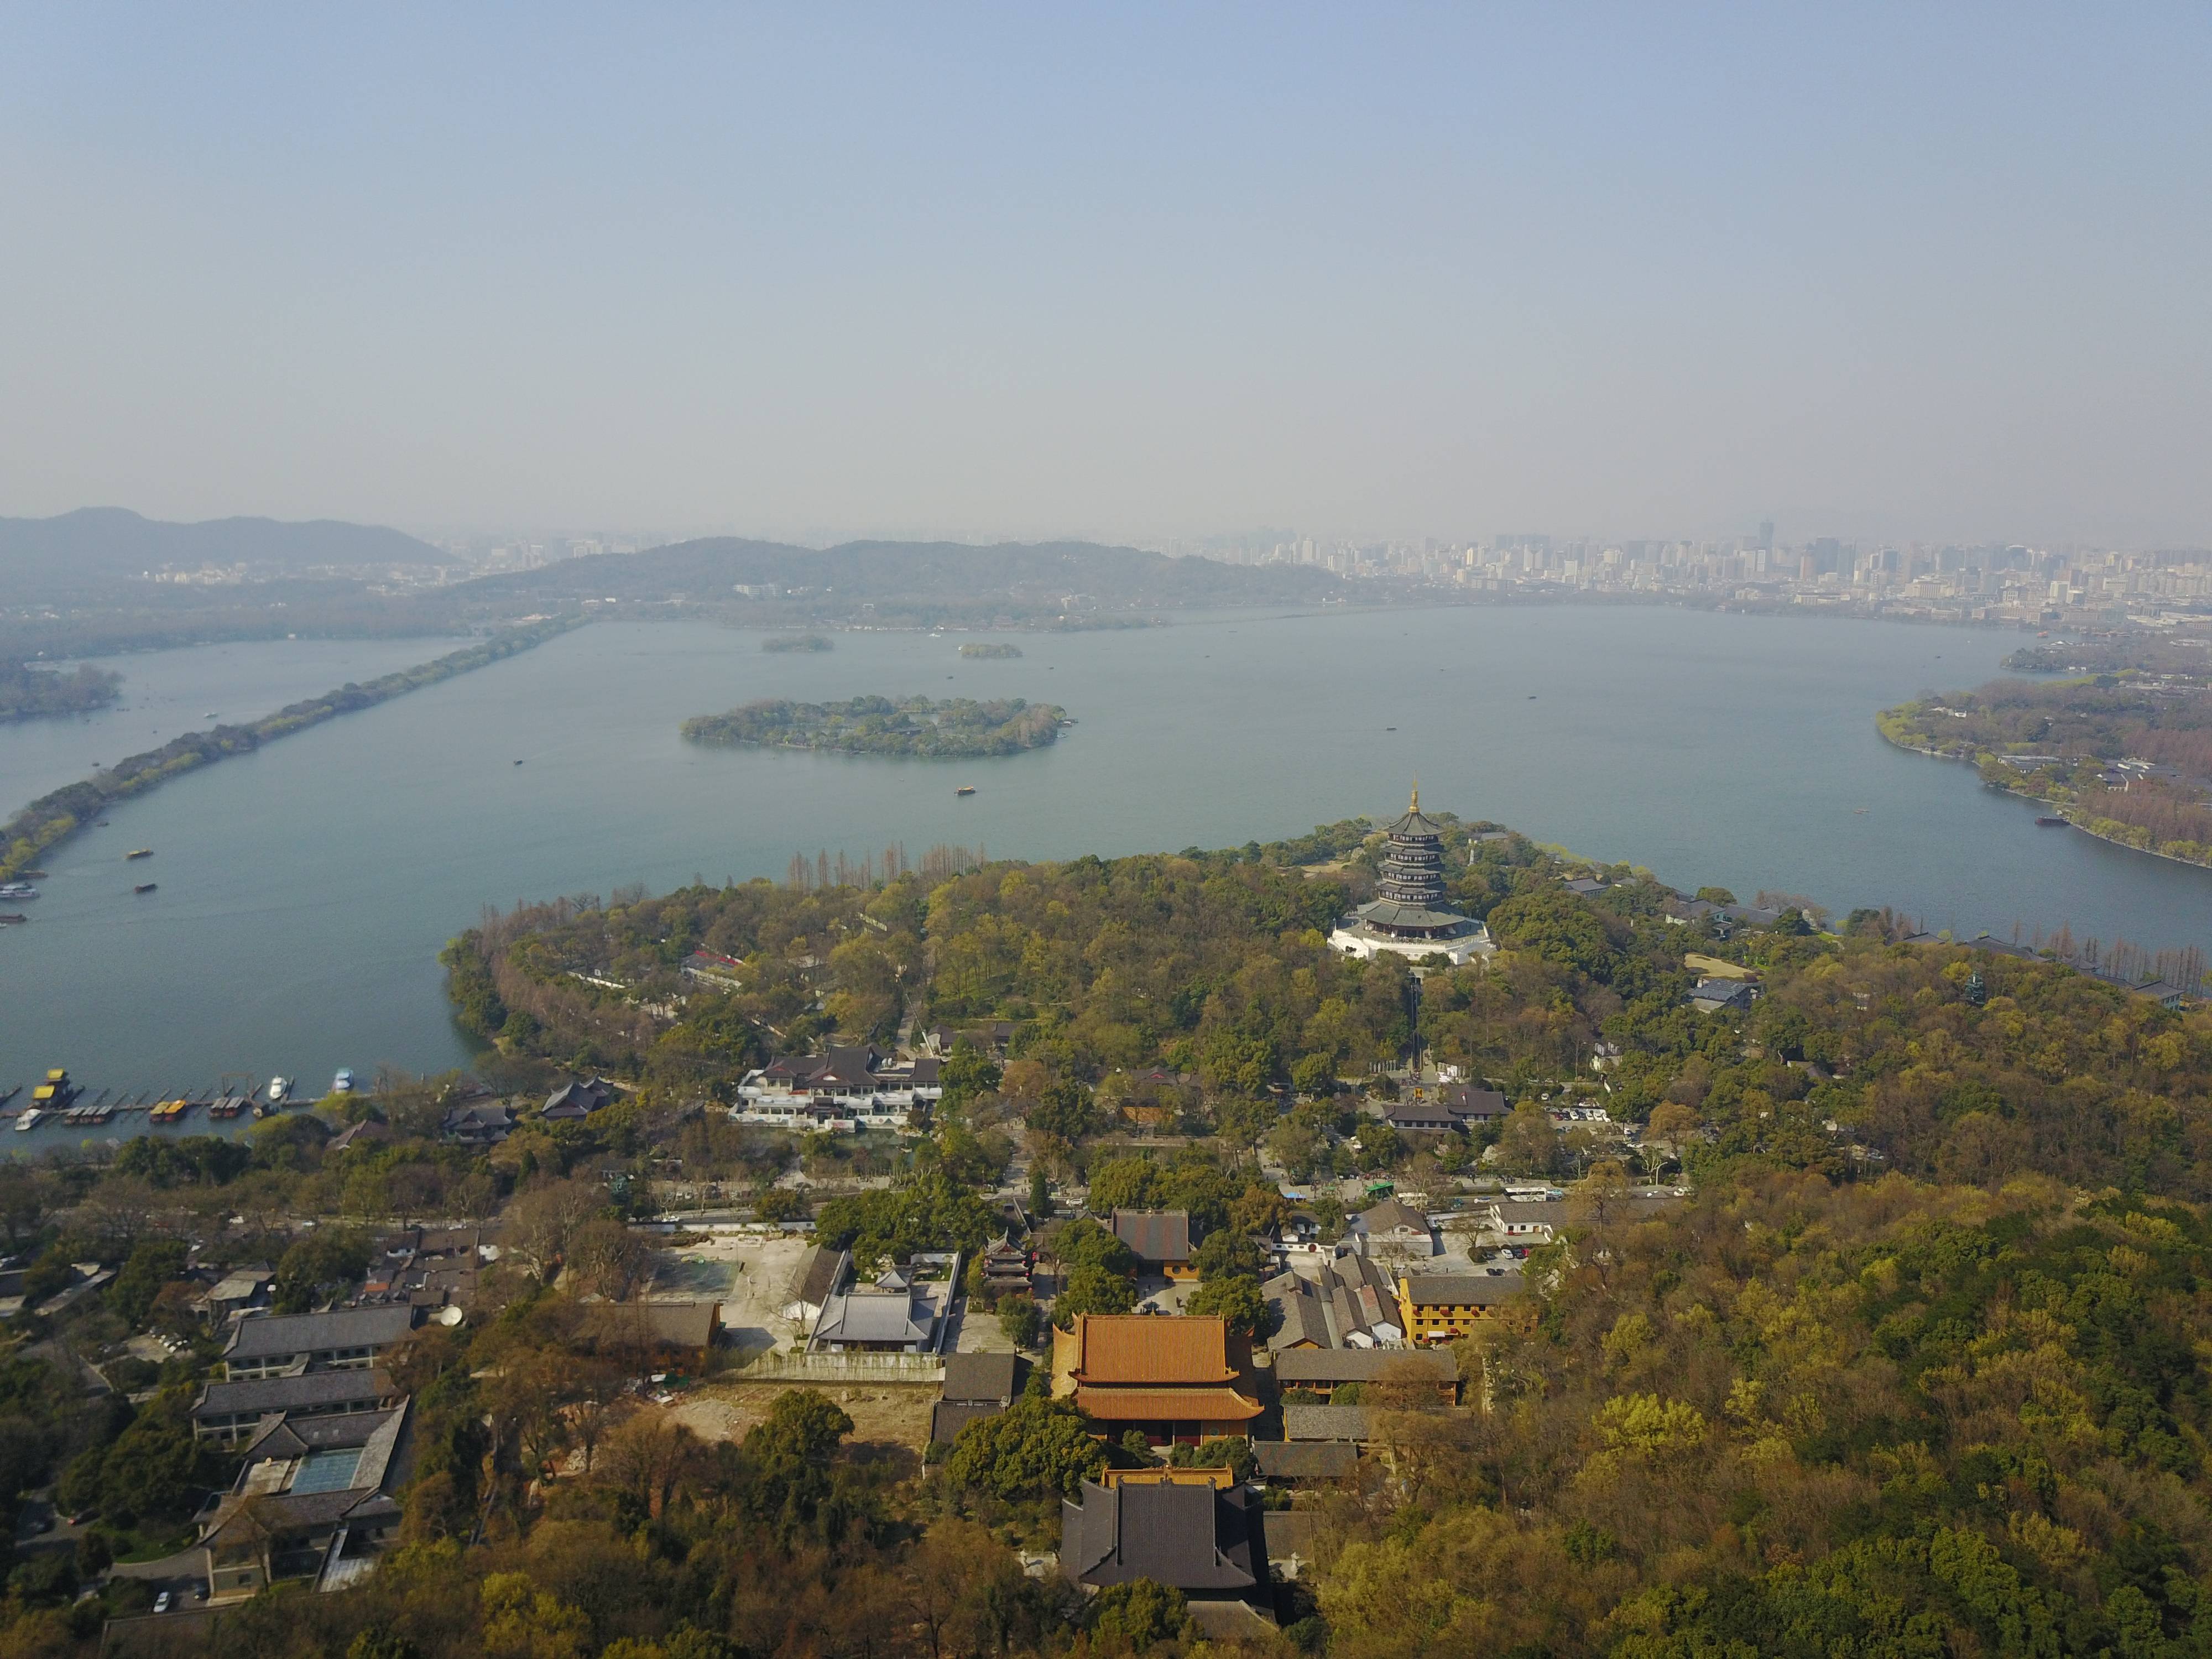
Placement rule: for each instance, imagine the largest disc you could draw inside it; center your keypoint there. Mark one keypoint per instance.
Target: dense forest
(26, 690)
(2062, 741)
(1950, 1062)
(951, 728)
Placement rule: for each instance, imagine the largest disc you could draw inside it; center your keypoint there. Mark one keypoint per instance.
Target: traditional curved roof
(1389, 914)
(1135, 1349)
(1194, 1538)
(1220, 1404)
(1413, 821)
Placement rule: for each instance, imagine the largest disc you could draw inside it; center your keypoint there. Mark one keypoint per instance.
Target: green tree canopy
(1094, 1291)
(1236, 1299)
(1035, 1445)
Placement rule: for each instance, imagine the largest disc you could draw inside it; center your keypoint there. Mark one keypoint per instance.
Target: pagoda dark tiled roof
(1415, 822)
(1388, 913)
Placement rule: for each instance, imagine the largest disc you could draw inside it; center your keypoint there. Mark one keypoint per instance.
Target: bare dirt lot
(748, 1274)
(894, 1414)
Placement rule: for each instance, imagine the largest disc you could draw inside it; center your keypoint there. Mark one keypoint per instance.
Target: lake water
(305, 891)
(166, 692)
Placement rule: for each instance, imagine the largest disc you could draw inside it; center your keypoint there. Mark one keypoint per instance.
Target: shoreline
(2064, 809)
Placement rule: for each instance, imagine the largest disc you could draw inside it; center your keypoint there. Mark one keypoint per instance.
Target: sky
(1130, 272)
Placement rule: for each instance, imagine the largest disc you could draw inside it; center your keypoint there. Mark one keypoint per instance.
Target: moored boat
(2048, 822)
(30, 1118)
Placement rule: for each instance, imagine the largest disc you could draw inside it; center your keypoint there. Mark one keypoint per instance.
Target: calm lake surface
(168, 692)
(305, 891)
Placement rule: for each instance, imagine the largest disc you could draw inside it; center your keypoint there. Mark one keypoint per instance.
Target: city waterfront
(303, 891)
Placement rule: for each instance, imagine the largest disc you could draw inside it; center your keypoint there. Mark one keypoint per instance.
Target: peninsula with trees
(2125, 756)
(951, 728)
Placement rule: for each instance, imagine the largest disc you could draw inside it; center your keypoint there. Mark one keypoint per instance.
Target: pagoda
(1409, 916)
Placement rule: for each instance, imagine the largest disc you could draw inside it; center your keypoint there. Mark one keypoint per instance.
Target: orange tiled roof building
(1178, 1380)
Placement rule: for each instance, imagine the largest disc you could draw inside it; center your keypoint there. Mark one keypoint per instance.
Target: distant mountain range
(98, 543)
(316, 578)
(909, 580)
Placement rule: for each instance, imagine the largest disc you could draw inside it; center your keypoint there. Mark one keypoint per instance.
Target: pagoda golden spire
(1417, 794)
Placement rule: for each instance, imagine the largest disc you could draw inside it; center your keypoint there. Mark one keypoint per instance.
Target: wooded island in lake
(953, 728)
(26, 690)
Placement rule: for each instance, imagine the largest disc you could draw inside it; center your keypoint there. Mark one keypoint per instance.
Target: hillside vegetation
(909, 584)
(1920, 1367)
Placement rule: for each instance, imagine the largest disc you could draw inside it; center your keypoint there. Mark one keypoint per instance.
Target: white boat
(278, 1088)
(28, 1119)
(17, 889)
(342, 1083)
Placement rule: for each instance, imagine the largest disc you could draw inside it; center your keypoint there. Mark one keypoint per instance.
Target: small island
(955, 728)
(780, 642)
(993, 649)
(26, 691)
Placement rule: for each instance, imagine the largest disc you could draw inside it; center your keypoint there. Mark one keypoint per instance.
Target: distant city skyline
(1881, 272)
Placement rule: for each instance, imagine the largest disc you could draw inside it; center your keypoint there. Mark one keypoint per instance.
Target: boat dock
(89, 1109)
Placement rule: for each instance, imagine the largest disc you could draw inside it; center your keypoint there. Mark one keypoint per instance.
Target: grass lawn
(156, 1539)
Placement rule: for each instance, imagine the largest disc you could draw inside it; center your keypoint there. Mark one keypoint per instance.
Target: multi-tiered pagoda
(1409, 916)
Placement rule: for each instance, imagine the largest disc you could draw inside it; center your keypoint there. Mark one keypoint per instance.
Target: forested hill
(910, 581)
(100, 543)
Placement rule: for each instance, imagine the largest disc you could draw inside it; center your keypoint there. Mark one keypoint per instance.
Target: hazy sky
(1921, 271)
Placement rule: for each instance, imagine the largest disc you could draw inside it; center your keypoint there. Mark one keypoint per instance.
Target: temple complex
(1409, 916)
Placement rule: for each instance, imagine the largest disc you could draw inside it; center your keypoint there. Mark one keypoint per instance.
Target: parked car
(161, 1601)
